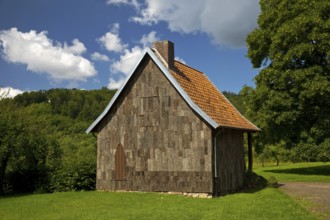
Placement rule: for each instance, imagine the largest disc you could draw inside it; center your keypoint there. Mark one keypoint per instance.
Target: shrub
(323, 154)
(73, 178)
(272, 182)
(254, 181)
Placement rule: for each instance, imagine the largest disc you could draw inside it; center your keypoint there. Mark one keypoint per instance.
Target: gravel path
(315, 197)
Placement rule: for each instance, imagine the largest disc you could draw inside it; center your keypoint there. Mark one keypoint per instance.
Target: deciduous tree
(291, 46)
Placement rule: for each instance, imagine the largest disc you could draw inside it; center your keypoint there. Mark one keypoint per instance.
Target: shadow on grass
(18, 195)
(253, 183)
(323, 170)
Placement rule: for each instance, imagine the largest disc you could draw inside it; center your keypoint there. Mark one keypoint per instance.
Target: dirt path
(315, 197)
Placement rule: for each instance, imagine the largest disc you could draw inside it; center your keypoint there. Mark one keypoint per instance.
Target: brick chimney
(166, 50)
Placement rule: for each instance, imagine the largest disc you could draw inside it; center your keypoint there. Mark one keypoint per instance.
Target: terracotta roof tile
(202, 91)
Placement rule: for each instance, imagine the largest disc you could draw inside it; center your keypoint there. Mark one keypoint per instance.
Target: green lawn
(299, 172)
(264, 204)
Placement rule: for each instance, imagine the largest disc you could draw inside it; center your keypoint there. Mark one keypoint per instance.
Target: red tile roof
(202, 91)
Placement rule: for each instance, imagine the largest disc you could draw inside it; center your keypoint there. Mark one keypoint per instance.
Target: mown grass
(299, 172)
(264, 204)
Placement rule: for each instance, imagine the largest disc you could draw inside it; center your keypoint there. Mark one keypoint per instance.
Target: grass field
(299, 172)
(268, 203)
(264, 204)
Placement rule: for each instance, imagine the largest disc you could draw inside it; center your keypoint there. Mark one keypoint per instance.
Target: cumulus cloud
(40, 55)
(128, 2)
(77, 47)
(148, 39)
(227, 22)
(127, 61)
(111, 40)
(99, 57)
(9, 92)
(115, 84)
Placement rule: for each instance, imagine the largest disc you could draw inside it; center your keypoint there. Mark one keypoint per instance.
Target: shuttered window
(120, 164)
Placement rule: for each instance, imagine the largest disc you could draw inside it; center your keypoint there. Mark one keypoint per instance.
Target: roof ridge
(189, 67)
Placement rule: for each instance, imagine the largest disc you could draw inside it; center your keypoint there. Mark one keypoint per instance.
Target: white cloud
(111, 40)
(180, 60)
(148, 39)
(127, 61)
(180, 15)
(113, 84)
(128, 2)
(9, 92)
(37, 51)
(100, 57)
(227, 22)
(77, 47)
(129, 58)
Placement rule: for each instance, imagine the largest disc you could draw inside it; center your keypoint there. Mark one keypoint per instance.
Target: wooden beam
(250, 158)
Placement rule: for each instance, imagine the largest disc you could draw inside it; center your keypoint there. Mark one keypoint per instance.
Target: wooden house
(168, 129)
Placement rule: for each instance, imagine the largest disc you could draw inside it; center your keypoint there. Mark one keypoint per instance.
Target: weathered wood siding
(230, 160)
(167, 146)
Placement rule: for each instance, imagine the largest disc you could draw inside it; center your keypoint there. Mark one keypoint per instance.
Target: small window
(120, 164)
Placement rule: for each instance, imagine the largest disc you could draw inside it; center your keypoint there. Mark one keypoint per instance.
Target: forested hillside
(43, 145)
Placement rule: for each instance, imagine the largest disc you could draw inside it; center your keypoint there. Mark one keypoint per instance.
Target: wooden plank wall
(231, 161)
(167, 146)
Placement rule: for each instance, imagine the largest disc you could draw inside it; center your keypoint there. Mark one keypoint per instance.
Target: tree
(291, 101)
(276, 152)
(43, 145)
(236, 100)
(25, 152)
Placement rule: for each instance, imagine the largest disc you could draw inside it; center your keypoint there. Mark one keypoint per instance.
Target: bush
(323, 154)
(74, 178)
(311, 152)
(272, 182)
(254, 181)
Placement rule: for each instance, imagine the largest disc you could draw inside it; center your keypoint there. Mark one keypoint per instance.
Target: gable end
(172, 80)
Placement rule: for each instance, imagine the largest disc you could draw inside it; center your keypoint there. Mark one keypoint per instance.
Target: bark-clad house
(169, 129)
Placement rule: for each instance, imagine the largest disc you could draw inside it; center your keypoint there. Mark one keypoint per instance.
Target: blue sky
(89, 44)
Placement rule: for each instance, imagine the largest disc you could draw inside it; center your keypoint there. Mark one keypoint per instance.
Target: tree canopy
(43, 145)
(291, 46)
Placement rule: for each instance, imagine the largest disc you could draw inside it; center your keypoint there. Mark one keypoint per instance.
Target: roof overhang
(172, 80)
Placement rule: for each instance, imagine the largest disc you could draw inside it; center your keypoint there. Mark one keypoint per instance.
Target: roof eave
(252, 130)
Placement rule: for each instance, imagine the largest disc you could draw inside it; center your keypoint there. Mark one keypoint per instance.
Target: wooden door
(120, 163)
